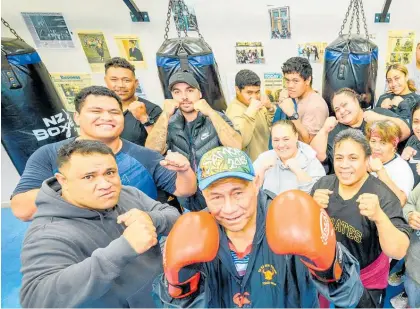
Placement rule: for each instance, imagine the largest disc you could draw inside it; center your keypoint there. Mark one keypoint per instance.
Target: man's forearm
(149, 128)
(303, 133)
(319, 144)
(394, 243)
(227, 135)
(156, 139)
(23, 205)
(186, 183)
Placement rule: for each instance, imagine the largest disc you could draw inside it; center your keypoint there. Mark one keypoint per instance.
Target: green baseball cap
(224, 162)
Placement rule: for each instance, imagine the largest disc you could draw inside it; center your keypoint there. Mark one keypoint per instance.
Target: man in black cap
(193, 129)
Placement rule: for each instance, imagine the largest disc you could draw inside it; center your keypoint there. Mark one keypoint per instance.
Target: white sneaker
(400, 301)
(395, 279)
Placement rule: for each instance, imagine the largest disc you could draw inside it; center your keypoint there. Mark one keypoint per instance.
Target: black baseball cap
(183, 77)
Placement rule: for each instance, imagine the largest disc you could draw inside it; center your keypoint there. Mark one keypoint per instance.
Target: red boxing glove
(193, 239)
(297, 225)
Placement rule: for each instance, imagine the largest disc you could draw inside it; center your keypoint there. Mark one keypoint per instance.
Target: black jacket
(202, 138)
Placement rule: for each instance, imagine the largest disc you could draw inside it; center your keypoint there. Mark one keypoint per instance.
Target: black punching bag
(32, 114)
(351, 61)
(193, 55)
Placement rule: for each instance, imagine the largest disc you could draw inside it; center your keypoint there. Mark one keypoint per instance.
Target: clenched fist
(170, 106)
(287, 106)
(266, 102)
(254, 106)
(408, 153)
(140, 231)
(203, 107)
(369, 206)
(174, 161)
(138, 109)
(386, 103)
(329, 124)
(375, 164)
(322, 197)
(414, 220)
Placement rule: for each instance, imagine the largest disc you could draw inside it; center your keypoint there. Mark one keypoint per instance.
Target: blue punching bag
(193, 55)
(32, 114)
(351, 61)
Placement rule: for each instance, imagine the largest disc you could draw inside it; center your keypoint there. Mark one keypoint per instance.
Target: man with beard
(193, 129)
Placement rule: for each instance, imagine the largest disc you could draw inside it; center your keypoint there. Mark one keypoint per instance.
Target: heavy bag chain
(11, 30)
(357, 6)
(184, 9)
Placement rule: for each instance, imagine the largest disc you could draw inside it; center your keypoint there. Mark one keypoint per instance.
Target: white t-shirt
(400, 173)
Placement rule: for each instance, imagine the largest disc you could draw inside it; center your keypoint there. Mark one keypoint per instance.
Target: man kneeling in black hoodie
(93, 242)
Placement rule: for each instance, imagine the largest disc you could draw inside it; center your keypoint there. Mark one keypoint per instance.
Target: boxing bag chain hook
(168, 20)
(11, 30)
(364, 19)
(356, 9)
(345, 18)
(184, 12)
(352, 18)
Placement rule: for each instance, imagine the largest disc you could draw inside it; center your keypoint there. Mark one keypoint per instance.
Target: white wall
(222, 23)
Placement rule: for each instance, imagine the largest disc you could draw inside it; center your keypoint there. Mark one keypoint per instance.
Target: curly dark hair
(298, 65)
(118, 62)
(246, 78)
(80, 98)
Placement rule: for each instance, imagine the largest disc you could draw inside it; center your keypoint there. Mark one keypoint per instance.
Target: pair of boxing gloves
(295, 224)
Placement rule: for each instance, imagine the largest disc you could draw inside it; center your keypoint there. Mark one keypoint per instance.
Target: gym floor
(12, 233)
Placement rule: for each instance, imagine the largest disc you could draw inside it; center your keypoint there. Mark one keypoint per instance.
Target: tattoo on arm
(156, 140)
(227, 135)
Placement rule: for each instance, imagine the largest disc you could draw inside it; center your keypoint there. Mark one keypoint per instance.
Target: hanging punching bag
(193, 55)
(32, 114)
(351, 61)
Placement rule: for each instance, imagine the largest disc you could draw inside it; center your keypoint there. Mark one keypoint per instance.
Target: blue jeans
(412, 288)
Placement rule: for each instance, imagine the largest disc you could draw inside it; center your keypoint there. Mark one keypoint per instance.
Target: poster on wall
(249, 53)
(95, 48)
(400, 47)
(48, 30)
(129, 47)
(273, 84)
(280, 23)
(184, 15)
(313, 51)
(68, 85)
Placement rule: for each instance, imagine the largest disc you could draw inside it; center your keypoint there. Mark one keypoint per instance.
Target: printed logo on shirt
(205, 135)
(347, 230)
(268, 272)
(241, 299)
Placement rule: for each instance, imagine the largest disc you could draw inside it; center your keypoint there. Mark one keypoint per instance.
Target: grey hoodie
(75, 257)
